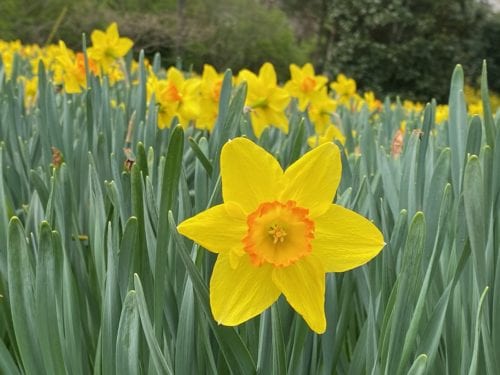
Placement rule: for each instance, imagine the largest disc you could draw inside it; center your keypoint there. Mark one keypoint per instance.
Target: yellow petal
(240, 293)
(295, 71)
(278, 99)
(209, 72)
(277, 119)
(250, 175)
(345, 240)
(308, 70)
(259, 121)
(313, 179)
(98, 38)
(123, 46)
(267, 74)
(112, 31)
(218, 229)
(175, 76)
(303, 284)
(72, 86)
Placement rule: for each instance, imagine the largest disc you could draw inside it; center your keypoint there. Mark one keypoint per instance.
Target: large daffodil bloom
(278, 232)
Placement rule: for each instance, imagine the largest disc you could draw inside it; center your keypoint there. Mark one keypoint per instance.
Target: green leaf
(264, 350)
(97, 223)
(432, 201)
(419, 366)
(127, 338)
(487, 115)
(110, 309)
(74, 346)
(128, 246)
(170, 182)
(457, 127)
(7, 363)
(474, 136)
(201, 156)
(408, 190)
(408, 285)
(140, 98)
(432, 334)
(141, 159)
(21, 282)
(299, 332)
(297, 142)
(477, 333)
(475, 216)
(46, 302)
(4, 222)
(160, 363)
(185, 344)
(279, 366)
(40, 187)
(413, 329)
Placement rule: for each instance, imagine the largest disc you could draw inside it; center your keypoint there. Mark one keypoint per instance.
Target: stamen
(278, 233)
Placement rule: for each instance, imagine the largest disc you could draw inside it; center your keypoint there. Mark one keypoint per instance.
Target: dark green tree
(399, 47)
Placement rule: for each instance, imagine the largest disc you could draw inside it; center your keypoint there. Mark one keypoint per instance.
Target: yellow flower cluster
(67, 67)
(192, 100)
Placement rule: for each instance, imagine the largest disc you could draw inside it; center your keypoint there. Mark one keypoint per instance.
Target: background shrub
(389, 46)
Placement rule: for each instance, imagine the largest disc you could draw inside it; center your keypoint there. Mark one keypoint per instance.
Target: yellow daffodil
(321, 110)
(410, 106)
(30, 91)
(48, 55)
(71, 70)
(402, 125)
(265, 99)
(345, 89)
(7, 52)
(210, 86)
(278, 232)
(304, 84)
(107, 46)
(175, 96)
(331, 133)
(371, 101)
(441, 113)
(475, 108)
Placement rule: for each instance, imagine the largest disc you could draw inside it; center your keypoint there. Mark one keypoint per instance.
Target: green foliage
(405, 48)
(94, 277)
(232, 34)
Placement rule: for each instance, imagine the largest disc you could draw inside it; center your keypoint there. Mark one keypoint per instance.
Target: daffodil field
(157, 221)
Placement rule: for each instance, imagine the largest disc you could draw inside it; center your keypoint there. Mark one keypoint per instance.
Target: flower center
(308, 84)
(172, 94)
(278, 233)
(216, 90)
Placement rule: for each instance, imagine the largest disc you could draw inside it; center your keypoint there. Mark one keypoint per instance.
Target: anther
(278, 233)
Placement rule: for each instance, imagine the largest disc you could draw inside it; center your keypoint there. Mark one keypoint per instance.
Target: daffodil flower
(265, 99)
(210, 87)
(331, 133)
(278, 232)
(304, 84)
(107, 46)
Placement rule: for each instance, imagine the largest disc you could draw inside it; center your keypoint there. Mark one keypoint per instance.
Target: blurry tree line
(394, 47)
